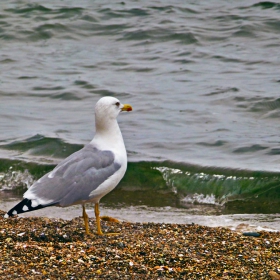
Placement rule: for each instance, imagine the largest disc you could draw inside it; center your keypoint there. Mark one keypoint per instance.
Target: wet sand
(43, 248)
(198, 214)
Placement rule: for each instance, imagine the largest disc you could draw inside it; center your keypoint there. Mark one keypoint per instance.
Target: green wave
(159, 184)
(151, 183)
(39, 145)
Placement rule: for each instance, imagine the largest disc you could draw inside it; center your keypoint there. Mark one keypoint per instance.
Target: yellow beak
(126, 107)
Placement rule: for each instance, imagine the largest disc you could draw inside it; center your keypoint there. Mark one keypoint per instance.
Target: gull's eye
(118, 104)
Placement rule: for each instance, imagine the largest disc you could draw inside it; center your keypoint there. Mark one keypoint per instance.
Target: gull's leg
(85, 216)
(99, 231)
(109, 219)
(96, 210)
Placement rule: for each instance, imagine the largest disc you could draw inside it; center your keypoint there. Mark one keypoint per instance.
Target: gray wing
(75, 177)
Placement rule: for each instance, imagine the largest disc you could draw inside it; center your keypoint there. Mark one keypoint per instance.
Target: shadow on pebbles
(42, 248)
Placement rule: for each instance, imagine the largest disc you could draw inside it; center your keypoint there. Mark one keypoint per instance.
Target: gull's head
(109, 107)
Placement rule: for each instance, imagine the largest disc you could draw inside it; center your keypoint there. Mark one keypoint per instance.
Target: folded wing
(74, 179)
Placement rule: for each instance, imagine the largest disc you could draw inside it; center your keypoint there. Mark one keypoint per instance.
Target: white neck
(108, 136)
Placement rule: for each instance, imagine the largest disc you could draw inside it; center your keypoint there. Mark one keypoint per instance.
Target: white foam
(198, 214)
(13, 179)
(200, 198)
(14, 212)
(164, 169)
(25, 208)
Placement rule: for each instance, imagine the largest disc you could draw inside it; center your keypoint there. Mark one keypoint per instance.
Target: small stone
(173, 252)
(9, 240)
(254, 234)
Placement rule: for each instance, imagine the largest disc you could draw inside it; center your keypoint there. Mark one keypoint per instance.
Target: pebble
(254, 234)
(59, 249)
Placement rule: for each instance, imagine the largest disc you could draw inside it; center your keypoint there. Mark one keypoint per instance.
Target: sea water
(202, 77)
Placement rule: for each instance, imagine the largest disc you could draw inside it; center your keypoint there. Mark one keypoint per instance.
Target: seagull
(88, 174)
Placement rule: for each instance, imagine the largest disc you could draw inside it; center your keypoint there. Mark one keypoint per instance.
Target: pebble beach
(43, 248)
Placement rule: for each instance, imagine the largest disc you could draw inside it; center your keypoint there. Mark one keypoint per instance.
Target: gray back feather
(76, 177)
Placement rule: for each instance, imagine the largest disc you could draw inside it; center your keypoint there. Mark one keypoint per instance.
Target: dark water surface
(202, 76)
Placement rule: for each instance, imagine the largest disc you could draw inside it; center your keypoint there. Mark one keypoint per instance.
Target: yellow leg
(96, 210)
(85, 216)
(109, 219)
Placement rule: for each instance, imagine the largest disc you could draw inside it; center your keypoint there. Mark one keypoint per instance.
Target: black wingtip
(22, 207)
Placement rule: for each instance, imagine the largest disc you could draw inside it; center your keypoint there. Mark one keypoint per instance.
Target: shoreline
(45, 248)
(198, 214)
